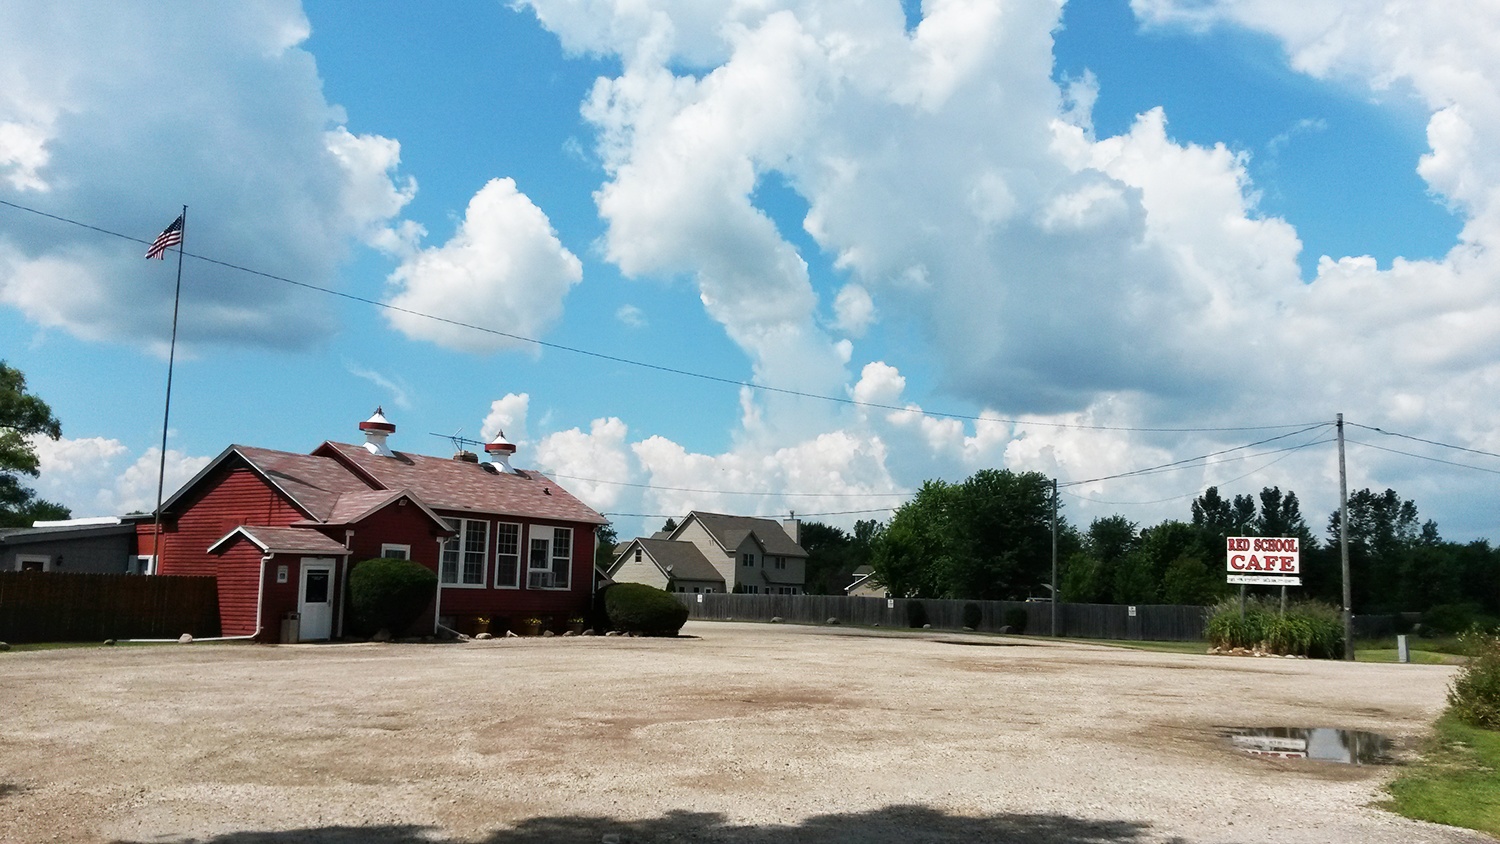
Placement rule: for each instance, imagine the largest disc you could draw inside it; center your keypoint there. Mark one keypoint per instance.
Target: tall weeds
(1308, 628)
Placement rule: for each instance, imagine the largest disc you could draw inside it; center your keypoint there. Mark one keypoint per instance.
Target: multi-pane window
(562, 556)
(549, 558)
(781, 562)
(539, 563)
(507, 555)
(391, 551)
(747, 559)
(464, 552)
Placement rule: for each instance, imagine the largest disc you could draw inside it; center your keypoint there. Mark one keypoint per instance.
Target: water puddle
(982, 643)
(1349, 747)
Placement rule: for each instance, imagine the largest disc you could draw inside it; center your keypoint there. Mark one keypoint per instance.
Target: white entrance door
(315, 602)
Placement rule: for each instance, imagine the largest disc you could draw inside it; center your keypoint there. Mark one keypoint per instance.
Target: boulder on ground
(483, 636)
(185, 639)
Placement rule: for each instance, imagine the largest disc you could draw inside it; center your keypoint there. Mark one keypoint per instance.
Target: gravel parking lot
(740, 732)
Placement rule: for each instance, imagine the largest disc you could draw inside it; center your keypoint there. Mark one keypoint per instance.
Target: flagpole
(161, 472)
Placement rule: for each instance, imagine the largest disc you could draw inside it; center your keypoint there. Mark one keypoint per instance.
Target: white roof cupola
(500, 451)
(376, 429)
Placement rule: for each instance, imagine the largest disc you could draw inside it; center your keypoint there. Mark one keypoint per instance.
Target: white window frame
(23, 559)
(544, 577)
(387, 547)
(143, 563)
(515, 582)
(459, 550)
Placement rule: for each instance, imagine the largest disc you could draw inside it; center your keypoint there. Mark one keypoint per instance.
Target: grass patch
(1456, 782)
(1417, 657)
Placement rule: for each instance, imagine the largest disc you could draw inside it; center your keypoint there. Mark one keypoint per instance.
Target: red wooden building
(280, 532)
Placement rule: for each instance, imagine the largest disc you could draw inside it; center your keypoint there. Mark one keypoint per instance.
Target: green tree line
(990, 538)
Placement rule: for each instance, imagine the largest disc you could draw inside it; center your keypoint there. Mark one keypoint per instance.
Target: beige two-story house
(712, 552)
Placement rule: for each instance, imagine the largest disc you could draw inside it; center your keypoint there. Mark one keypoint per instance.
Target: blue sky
(1085, 222)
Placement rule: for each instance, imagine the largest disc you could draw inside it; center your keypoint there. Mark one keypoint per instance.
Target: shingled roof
(683, 558)
(730, 531)
(341, 484)
(283, 540)
(447, 484)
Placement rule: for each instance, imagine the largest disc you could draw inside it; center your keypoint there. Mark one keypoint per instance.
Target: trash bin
(291, 628)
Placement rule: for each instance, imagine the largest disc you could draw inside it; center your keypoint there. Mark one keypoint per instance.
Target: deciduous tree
(22, 416)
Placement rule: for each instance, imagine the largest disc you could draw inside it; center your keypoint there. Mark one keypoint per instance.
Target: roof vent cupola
(500, 451)
(376, 429)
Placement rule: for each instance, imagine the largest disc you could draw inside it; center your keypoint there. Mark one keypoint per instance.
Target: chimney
(376, 429)
(464, 456)
(500, 451)
(793, 528)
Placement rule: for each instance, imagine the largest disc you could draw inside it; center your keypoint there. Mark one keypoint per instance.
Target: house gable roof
(446, 484)
(680, 560)
(312, 484)
(730, 532)
(354, 507)
(281, 540)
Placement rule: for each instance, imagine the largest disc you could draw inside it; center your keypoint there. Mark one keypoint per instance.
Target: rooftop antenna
(458, 441)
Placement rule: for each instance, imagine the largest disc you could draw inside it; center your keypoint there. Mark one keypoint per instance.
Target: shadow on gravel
(891, 825)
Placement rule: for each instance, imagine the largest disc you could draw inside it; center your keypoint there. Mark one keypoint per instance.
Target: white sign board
(1264, 580)
(1263, 555)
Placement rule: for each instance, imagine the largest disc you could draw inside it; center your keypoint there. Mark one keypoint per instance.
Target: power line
(1423, 456)
(734, 492)
(1421, 440)
(1176, 464)
(1284, 452)
(717, 379)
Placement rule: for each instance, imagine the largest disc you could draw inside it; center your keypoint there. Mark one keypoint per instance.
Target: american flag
(169, 237)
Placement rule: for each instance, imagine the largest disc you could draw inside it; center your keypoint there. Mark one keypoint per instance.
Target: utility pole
(1054, 556)
(1344, 546)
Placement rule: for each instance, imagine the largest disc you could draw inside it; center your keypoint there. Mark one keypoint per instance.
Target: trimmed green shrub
(916, 613)
(1309, 628)
(638, 608)
(387, 594)
(1015, 619)
(973, 615)
(1474, 695)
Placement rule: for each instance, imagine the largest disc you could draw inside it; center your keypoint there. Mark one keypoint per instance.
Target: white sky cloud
(97, 476)
(503, 269)
(1130, 280)
(217, 107)
(1061, 275)
(507, 414)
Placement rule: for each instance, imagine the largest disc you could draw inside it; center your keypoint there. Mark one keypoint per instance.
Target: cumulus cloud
(99, 122)
(508, 415)
(503, 269)
(1132, 280)
(97, 476)
(853, 310)
(596, 461)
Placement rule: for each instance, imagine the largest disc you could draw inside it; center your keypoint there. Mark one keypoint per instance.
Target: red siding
(237, 497)
(281, 598)
(238, 573)
(464, 604)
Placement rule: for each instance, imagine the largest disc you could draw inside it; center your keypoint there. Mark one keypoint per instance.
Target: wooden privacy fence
(58, 607)
(1084, 621)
